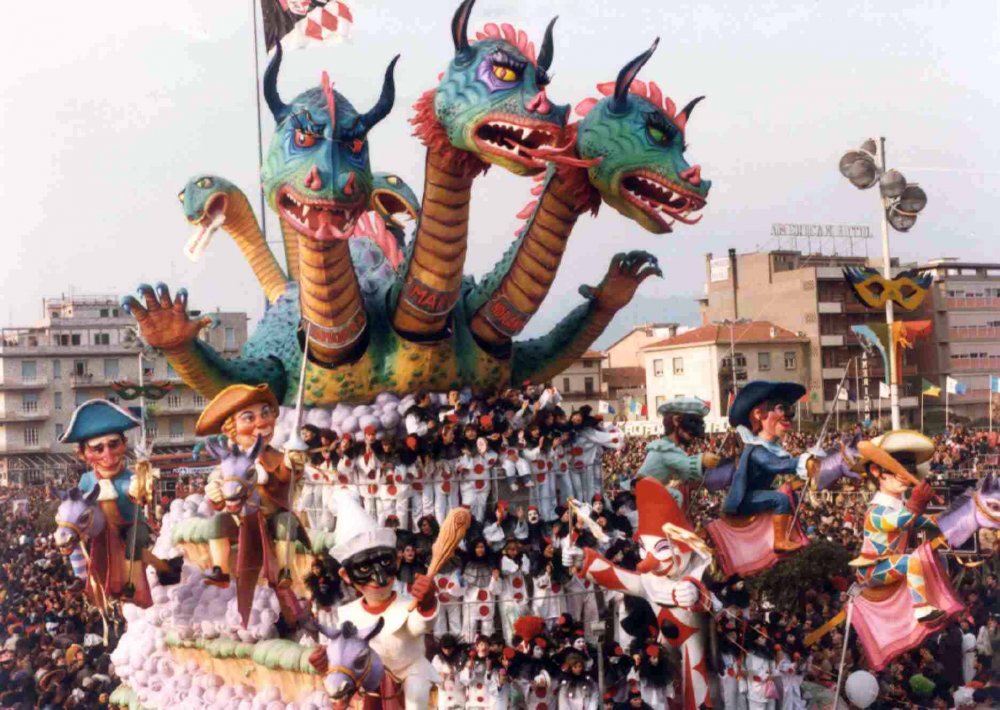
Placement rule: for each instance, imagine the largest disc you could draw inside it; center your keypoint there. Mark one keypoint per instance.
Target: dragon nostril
(313, 180)
(349, 185)
(539, 103)
(692, 175)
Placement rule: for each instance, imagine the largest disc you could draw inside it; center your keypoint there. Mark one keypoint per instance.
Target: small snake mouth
(661, 199)
(215, 209)
(390, 204)
(322, 220)
(514, 138)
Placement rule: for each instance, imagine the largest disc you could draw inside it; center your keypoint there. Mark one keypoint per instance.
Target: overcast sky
(109, 107)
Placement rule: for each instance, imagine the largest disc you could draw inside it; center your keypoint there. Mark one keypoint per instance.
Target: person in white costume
(367, 553)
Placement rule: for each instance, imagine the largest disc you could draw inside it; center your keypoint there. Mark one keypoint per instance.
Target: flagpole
(922, 409)
(947, 412)
(260, 135)
(989, 402)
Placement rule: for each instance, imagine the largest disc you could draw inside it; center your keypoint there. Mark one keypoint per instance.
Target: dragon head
(317, 175)
(635, 138)
(491, 101)
(205, 199)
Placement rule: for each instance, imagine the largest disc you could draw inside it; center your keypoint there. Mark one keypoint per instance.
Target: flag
(953, 386)
(604, 407)
(929, 389)
(305, 23)
(994, 383)
(842, 395)
(884, 392)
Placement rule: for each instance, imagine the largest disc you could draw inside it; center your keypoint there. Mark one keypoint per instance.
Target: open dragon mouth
(515, 138)
(391, 205)
(661, 199)
(211, 218)
(234, 506)
(323, 220)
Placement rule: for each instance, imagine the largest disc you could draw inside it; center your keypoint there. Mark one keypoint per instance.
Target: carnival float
(366, 324)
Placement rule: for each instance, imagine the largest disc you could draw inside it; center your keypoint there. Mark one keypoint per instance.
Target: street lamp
(732, 345)
(901, 202)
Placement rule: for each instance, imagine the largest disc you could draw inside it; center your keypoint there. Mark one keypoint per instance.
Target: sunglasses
(114, 445)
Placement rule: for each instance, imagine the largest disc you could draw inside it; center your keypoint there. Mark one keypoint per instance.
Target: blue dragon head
(634, 137)
(492, 101)
(317, 175)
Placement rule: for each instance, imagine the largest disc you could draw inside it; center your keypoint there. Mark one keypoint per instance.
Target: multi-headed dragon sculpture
(399, 321)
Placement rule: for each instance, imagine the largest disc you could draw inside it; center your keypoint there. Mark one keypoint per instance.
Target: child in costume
(893, 459)
(762, 414)
(481, 578)
(448, 662)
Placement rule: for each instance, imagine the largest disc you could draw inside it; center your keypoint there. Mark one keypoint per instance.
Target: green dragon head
(491, 101)
(317, 175)
(205, 199)
(635, 136)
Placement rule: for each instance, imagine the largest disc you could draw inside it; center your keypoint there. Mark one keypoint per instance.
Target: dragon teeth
(305, 210)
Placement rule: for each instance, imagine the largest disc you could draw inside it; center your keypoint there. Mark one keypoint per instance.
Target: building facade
(582, 382)
(627, 350)
(76, 352)
(710, 361)
(806, 293)
(964, 305)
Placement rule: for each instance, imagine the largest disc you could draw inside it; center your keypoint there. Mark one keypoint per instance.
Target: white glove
(262, 475)
(685, 594)
(213, 491)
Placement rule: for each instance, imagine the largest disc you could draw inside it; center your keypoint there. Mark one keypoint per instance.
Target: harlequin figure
(763, 413)
(666, 459)
(119, 554)
(243, 413)
(893, 459)
(367, 554)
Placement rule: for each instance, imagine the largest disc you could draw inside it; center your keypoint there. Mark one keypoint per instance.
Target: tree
(785, 584)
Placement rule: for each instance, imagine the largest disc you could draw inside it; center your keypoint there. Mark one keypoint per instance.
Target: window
(59, 430)
(80, 398)
(660, 400)
(588, 363)
(57, 400)
(230, 338)
(199, 401)
(678, 366)
(74, 339)
(29, 370)
(79, 367)
(147, 370)
(741, 361)
(114, 312)
(790, 361)
(763, 361)
(151, 431)
(29, 402)
(31, 436)
(588, 385)
(658, 368)
(102, 338)
(111, 368)
(176, 429)
(104, 313)
(565, 387)
(57, 369)
(173, 400)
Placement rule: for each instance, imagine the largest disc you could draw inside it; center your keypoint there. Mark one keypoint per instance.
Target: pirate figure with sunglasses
(763, 413)
(666, 458)
(121, 552)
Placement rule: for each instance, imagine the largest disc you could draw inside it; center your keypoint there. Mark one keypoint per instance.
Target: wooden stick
(453, 529)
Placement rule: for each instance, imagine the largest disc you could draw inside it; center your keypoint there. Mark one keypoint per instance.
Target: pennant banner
(305, 23)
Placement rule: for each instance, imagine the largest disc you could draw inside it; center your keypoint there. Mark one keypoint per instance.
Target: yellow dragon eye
(205, 182)
(504, 73)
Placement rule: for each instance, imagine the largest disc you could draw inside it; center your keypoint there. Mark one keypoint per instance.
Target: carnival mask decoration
(372, 568)
(871, 288)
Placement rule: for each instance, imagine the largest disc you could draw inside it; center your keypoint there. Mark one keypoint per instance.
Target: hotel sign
(821, 231)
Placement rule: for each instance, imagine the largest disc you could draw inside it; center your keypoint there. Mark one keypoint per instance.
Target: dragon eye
(505, 73)
(659, 135)
(204, 183)
(304, 139)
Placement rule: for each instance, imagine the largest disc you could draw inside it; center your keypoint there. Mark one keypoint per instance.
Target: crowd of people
(518, 625)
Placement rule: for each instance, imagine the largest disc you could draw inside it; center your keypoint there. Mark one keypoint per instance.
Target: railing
(983, 302)
(980, 363)
(20, 415)
(974, 332)
(89, 379)
(35, 384)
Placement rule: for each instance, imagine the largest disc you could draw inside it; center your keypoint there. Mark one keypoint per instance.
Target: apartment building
(582, 382)
(964, 304)
(805, 293)
(712, 361)
(79, 348)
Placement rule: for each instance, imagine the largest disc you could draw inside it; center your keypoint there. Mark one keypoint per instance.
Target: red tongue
(561, 156)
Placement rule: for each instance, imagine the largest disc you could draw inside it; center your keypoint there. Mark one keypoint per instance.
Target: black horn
(627, 75)
(686, 111)
(545, 54)
(385, 101)
(279, 109)
(460, 26)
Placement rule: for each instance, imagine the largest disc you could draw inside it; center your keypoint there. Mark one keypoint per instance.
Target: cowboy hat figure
(894, 459)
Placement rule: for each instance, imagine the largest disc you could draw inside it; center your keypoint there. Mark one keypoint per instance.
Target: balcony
(979, 364)
(973, 332)
(831, 341)
(163, 411)
(955, 304)
(12, 416)
(88, 379)
(24, 385)
(830, 307)
(830, 273)
(833, 373)
(24, 448)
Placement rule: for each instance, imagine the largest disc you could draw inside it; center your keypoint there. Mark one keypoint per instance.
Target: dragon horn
(460, 26)
(279, 109)
(627, 75)
(545, 55)
(685, 113)
(385, 101)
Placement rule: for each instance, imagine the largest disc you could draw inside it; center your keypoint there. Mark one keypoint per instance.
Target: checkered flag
(305, 23)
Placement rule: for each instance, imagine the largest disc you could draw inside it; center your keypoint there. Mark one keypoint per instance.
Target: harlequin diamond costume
(893, 459)
(118, 555)
(367, 553)
(669, 578)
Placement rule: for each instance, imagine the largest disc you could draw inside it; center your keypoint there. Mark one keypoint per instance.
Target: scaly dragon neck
(330, 300)
(291, 239)
(434, 269)
(241, 224)
(518, 285)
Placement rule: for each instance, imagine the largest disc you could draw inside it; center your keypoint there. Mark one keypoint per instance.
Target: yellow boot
(782, 542)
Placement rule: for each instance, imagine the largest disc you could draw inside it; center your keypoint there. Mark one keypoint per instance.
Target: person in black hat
(762, 414)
